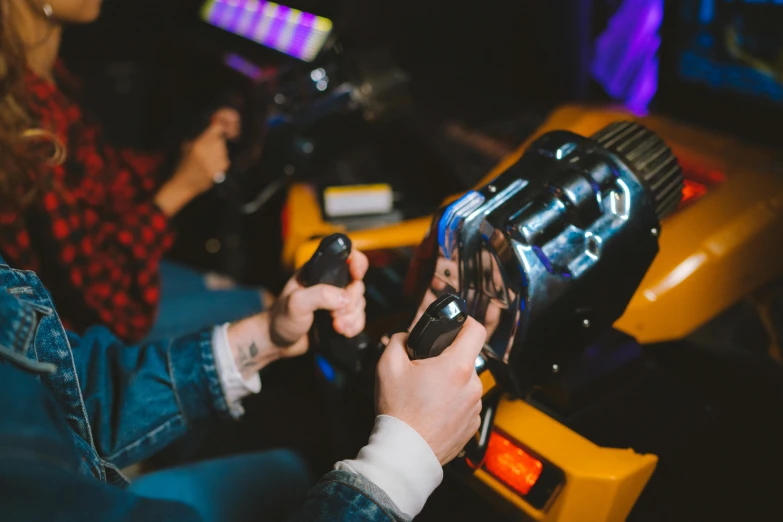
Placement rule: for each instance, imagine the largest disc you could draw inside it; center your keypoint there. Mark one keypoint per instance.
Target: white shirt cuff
(400, 462)
(234, 386)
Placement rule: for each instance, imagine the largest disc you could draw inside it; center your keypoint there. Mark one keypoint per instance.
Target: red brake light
(511, 465)
(698, 181)
(691, 191)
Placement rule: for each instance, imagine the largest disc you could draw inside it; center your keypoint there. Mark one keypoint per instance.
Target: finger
(355, 316)
(223, 165)
(357, 301)
(476, 424)
(319, 297)
(215, 131)
(438, 284)
(468, 343)
(427, 300)
(356, 307)
(477, 407)
(292, 284)
(476, 388)
(394, 355)
(358, 264)
(227, 115)
(230, 120)
(350, 326)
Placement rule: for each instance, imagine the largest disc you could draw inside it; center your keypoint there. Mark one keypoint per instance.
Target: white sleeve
(234, 386)
(400, 462)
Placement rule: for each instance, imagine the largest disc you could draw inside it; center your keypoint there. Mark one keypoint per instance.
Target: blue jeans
(187, 305)
(258, 486)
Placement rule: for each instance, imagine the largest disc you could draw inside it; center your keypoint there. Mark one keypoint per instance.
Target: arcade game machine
(683, 397)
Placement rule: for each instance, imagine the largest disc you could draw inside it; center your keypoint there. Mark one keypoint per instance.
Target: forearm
(172, 197)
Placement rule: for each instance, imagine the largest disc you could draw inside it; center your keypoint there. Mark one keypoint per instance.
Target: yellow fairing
(601, 484)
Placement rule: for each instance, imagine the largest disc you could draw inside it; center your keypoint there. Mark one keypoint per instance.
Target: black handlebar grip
(437, 328)
(434, 332)
(329, 266)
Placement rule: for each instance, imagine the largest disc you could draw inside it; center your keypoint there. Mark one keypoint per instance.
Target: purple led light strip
(288, 30)
(625, 60)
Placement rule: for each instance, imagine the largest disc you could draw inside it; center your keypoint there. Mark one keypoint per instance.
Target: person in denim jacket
(75, 410)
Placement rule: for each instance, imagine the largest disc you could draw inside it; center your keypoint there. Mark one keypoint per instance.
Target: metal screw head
(586, 323)
(555, 368)
(279, 98)
(654, 232)
(289, 170)
(461, 454)
(492, 189)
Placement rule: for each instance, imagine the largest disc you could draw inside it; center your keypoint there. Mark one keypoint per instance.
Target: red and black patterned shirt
(95, 236)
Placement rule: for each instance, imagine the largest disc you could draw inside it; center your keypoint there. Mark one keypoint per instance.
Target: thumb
(317, 297)
(469, 341)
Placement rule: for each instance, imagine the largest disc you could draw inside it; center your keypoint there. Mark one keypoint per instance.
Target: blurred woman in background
(92, 219)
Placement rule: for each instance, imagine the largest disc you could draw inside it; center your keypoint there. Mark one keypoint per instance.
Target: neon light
(625, 58)
(242, 66)
(290, 31)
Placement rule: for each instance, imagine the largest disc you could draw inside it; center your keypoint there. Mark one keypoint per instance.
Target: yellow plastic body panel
(601, 484)
(712, 253)
(303, 221)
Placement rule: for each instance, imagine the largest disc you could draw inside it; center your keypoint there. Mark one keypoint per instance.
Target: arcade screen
(290, 31)
(726, 57)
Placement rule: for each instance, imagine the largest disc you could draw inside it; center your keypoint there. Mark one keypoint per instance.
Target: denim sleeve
(39, 478)
(348, 497)
(139, 399)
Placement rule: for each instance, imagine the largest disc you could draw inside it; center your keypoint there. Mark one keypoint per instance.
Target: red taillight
(511, 465)
(698, 181)
(692, 190)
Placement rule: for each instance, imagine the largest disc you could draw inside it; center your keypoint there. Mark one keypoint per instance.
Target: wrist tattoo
(246, 356)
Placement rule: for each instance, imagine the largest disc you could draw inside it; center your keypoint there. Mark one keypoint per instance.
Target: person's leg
(258, 486)
(188, 304)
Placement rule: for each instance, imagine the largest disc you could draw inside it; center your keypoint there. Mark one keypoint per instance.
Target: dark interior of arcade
(636, 361)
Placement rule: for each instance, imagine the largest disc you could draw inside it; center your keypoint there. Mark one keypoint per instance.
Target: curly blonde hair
(20, 139)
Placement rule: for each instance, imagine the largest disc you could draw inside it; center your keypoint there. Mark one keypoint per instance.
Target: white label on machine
(358, 200)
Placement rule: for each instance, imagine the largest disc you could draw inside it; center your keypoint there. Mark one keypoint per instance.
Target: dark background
(517, 52)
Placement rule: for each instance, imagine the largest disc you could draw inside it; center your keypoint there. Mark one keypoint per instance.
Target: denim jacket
(103, 406)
